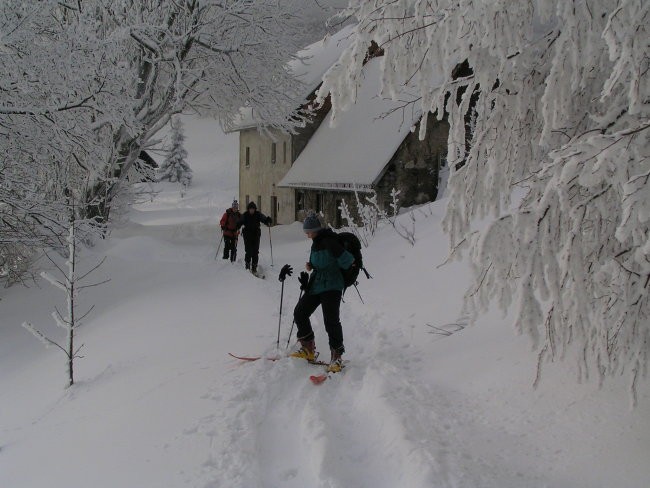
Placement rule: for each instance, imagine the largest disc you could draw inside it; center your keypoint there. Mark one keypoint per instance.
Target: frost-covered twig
(41, 337)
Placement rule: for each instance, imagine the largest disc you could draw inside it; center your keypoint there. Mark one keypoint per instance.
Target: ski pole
(219, 248)
(271, 245)
(277, 344)
(355, 287)
(292, 324)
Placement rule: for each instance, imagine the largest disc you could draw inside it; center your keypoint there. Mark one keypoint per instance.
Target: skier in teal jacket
(325, 288)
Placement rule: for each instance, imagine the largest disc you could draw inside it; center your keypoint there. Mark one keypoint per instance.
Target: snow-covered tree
(175, 167)
(212, 57)
(62, 87)
(558, 159)
(85, 86)
(71, 282)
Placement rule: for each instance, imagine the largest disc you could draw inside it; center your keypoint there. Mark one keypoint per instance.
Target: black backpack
(351, 244)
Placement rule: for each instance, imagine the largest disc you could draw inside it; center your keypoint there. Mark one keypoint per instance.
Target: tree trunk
(71, 295)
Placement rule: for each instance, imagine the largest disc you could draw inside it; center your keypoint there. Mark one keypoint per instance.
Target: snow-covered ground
(159, 403)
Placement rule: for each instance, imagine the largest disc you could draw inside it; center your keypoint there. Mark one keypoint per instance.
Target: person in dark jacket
(251, 221)
(230, 231)
(325, 288)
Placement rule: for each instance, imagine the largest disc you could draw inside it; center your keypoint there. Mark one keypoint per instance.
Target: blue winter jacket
(327, 258)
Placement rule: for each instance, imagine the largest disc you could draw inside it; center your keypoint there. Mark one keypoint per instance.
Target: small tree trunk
(71, 292)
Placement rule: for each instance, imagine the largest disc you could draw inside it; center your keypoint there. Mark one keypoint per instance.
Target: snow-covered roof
(309, 66)
(354, 153)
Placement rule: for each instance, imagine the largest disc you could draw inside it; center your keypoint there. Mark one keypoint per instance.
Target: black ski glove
(304, 280)
(286, 270)
(269, 221)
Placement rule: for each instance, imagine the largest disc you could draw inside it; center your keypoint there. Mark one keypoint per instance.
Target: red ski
(318, 379)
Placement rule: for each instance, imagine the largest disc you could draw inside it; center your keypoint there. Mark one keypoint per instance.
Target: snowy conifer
(175, 167)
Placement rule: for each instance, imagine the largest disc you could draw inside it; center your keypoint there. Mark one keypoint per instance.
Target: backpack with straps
(351, 244)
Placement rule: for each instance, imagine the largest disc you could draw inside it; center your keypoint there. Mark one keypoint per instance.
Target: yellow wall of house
(259, 178)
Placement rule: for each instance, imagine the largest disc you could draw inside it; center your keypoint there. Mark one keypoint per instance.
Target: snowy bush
(407, 233)
(371, 215)
(557, 97)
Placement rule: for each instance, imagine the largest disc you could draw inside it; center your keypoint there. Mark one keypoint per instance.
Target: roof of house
(309, 66)
(354, 153)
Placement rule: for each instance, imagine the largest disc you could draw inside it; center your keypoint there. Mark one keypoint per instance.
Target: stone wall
(415, 167)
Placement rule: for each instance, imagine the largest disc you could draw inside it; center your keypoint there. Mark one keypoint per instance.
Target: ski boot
(307, 351)
(336, 363)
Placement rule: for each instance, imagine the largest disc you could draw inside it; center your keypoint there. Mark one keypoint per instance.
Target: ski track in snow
(372, 415)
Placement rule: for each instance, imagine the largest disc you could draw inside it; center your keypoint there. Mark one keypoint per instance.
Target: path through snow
(371, 426)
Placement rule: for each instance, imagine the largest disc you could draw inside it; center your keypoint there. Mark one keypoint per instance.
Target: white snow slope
(159, 403)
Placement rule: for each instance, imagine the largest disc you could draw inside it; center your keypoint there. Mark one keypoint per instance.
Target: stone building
(373, 146)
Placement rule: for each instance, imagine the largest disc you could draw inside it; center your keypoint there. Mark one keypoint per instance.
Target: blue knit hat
(311, 223)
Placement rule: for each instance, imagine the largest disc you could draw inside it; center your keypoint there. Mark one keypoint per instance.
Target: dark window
(273, 152)
(339, 216)
(319, 202)
(259, 202)
(284, 152)
(442, 159)
(274, 210)
(300, 200)
(248, 156)
(248, 199)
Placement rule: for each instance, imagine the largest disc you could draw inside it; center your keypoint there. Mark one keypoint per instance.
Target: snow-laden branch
(548, 103)
(83, 103)
(53, 281)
